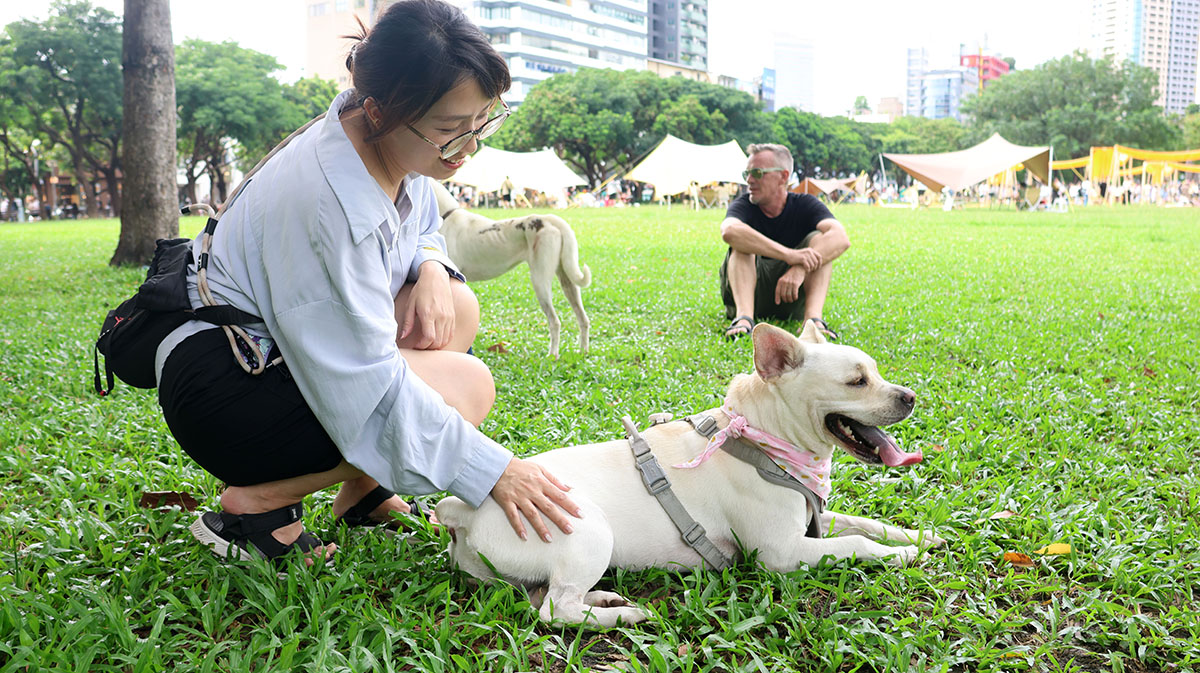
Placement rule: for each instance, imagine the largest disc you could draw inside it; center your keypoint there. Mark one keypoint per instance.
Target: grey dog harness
(657, 483)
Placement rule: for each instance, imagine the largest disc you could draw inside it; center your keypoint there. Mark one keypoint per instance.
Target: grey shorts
(768, 272)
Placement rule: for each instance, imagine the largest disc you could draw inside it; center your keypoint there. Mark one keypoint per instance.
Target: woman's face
(463, 108)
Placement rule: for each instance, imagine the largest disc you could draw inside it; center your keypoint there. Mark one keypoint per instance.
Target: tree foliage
(66, 74)
(227, 94)
(601, 122)
(1073, 103)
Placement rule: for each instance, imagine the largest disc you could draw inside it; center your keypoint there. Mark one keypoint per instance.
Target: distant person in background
(781, 248)
(506, 192)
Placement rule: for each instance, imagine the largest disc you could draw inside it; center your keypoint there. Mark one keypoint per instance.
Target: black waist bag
(132, 332)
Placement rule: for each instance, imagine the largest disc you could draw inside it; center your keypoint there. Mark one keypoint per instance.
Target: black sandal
(826, 329)
(360, 513)
(730, 334)
(249, 535)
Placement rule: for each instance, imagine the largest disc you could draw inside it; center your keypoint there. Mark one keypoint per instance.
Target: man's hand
(806, 258)
(528, 488)
(787, 290)
(430, 309)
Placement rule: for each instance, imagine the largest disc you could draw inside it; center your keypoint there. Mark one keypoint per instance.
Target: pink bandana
(804, 466)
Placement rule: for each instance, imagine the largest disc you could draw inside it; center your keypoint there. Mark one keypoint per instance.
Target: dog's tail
(579, 274)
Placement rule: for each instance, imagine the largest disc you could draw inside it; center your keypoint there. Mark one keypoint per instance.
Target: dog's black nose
(907, 397)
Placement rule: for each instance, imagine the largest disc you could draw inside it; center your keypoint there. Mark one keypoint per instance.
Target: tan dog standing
(484, 249)
(811, 393)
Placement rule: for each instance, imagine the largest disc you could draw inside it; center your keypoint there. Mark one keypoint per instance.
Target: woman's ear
(371, 110)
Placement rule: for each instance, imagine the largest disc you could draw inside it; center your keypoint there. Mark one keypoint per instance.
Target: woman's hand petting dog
(528, 488)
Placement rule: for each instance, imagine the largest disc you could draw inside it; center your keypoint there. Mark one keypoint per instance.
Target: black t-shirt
(799, 218)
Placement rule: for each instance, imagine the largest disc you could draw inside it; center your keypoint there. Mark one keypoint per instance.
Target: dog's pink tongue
(892, 456)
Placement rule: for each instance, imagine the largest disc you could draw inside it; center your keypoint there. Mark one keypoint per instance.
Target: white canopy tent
(542, 171)
(675, 164)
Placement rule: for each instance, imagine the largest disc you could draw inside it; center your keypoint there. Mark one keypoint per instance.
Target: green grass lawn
(1055, 362)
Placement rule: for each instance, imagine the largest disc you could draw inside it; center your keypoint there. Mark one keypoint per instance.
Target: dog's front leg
(790, 551)
(836, 523)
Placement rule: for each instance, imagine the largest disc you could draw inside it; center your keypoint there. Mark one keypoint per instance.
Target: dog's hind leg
(542, 264)
(575, 299)
(845, 524)
(600, 608)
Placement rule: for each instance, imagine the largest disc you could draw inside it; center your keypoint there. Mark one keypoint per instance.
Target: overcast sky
(859, 45)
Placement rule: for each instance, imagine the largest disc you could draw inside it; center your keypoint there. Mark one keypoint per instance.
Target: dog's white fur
(797, 384)
(484, 248)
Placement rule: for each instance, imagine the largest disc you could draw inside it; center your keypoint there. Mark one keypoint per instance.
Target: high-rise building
(938, 93)
(537, 38)
(917, 64)
(328, 21)
(794, 74)
(1162, 35)
(988, 67)
(678, 32)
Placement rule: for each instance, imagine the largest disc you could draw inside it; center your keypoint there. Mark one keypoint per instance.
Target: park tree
(861, 106)
(595, 120)
(303, 100)
(17, 151)
(1191, 129)
(602, 122)
(919, 135)
(1073, 103)
(66, 74)
(226, 96)
(148, 59)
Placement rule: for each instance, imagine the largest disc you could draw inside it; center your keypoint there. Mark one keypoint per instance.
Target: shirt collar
(364, 203)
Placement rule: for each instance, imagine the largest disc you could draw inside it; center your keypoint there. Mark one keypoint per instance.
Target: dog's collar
(447, 213)
(807, 468)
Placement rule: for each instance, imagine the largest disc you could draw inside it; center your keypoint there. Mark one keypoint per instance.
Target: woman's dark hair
(416, 52)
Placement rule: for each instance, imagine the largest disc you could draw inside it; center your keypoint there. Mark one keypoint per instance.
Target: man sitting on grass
(781, 248)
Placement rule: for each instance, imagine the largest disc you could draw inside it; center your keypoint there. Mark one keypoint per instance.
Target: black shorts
(768, 271)
(242, 429)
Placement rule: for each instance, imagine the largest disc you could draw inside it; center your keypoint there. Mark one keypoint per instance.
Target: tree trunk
(148, 59)
(84, 179)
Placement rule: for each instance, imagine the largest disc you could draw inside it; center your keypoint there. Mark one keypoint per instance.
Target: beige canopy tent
(964, 168)
(675, 164)
(816, 187)
(542, 171)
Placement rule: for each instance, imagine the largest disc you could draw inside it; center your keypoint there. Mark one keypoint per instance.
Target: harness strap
(656, 482)
(767, 469)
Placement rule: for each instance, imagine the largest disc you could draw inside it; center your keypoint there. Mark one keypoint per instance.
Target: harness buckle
(694, 534)
(707, 426)
(653, 475)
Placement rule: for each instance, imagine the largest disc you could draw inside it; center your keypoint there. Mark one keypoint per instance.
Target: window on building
(341, 5)
(318, 9)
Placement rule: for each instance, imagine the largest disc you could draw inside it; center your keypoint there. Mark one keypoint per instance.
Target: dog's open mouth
(868, 443)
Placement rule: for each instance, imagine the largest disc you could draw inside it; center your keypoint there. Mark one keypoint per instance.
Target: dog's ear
(811, 334)
(775, 351)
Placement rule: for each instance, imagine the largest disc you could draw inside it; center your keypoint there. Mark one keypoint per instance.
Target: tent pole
(882, 171)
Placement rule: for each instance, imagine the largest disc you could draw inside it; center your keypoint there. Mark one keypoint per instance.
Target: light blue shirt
(315, 247)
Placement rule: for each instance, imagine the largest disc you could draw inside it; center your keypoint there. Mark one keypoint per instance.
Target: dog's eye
(858, 382)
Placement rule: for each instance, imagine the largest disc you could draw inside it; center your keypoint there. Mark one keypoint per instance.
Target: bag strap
(230, 319)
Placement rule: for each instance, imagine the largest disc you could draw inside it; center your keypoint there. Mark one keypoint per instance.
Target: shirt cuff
(427, 253)
(483, 470)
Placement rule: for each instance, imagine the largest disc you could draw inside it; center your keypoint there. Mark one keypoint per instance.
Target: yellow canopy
(1186, 168)
(1070, 163)
(1152, 155)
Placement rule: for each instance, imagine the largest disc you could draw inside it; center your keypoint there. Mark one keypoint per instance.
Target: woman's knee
(466, 310)
(480, 392)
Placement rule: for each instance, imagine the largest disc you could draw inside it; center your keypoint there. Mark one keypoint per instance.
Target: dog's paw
(902, 556)
(605, 599)
(923, 538)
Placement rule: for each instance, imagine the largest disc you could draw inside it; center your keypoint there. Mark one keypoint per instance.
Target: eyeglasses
(458, 142)
(757, 173)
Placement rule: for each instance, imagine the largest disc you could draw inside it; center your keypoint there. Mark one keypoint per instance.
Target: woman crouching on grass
(335, 243)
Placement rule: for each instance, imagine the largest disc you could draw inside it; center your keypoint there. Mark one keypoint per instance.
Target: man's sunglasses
(757, 173)
(458, 142)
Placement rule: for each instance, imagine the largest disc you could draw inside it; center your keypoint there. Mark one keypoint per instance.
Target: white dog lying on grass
(805, 396)
(484, 248)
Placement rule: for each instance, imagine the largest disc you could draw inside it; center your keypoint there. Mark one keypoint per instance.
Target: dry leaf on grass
(1002, 514)
(1056, 549)
(937, 447)
(1017, 559)
(498, 347)
(157, 499)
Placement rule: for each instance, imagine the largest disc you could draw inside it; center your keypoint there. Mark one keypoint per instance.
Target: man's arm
(743, 238)
(831, 242)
